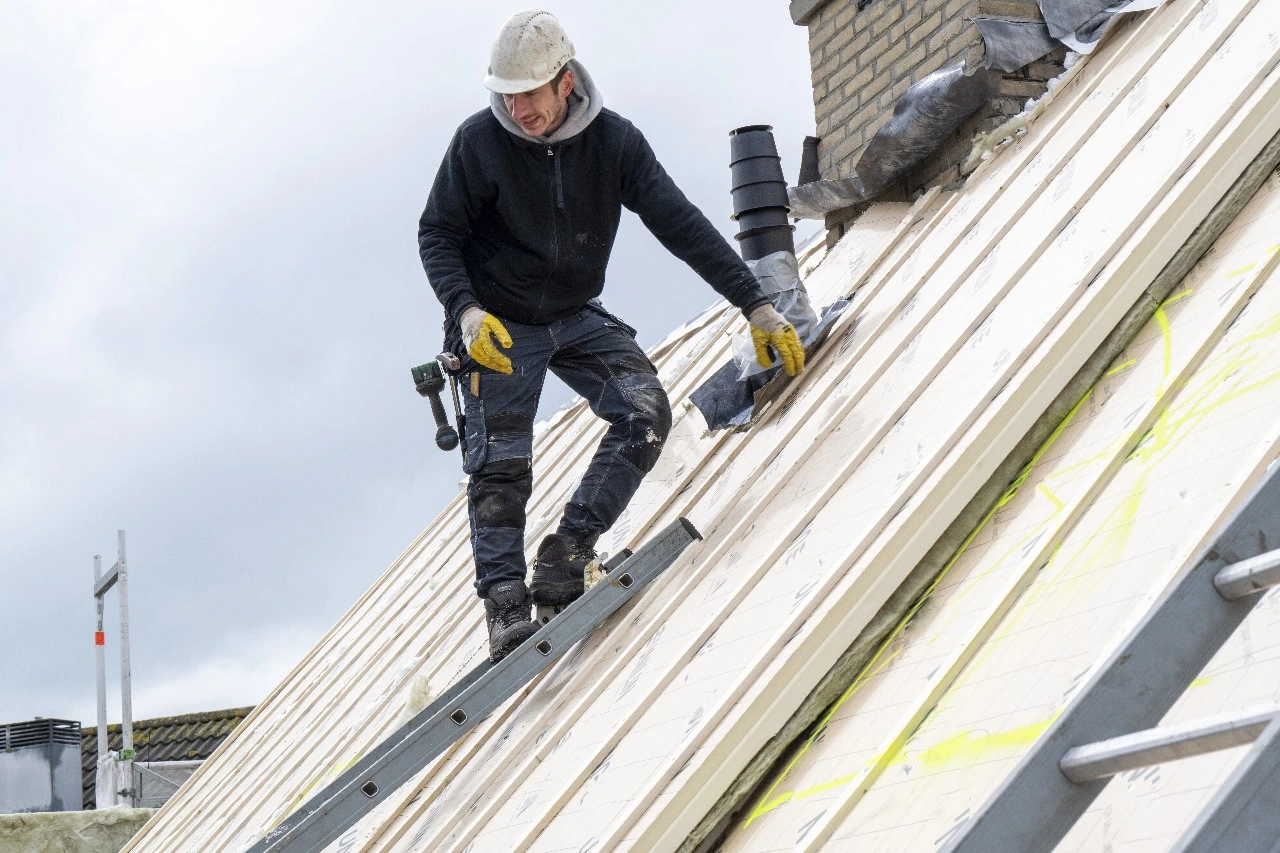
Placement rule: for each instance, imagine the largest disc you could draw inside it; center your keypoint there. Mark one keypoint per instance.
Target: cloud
(228, 677)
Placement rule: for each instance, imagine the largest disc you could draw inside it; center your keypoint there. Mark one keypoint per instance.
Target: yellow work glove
(479, 331)
(771, 329)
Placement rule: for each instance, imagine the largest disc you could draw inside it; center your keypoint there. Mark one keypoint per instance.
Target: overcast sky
(211, 297)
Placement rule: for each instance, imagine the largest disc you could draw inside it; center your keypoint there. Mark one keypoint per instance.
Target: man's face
(541, 111)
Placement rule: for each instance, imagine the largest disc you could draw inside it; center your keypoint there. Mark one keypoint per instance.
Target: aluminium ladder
(1108, 728)
(362, 788)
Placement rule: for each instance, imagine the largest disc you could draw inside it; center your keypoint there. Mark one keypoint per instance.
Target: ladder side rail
(360, 789)
(1037, 804)
(1244, 814)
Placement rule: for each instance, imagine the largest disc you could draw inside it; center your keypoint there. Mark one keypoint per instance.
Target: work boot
(560, 570)
(506, 610)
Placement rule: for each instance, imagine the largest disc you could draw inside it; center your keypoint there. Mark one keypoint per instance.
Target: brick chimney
(866, 53)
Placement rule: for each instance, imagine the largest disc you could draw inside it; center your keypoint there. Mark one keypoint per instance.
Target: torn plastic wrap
(733, 393)
(1079, 24)
(727, 402)
(816, 199)
(1010, 45)
(923, 118)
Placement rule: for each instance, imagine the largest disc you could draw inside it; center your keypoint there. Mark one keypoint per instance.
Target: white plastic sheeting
(108, 781)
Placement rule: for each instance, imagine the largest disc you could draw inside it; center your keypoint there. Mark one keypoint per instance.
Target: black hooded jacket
(524, 229)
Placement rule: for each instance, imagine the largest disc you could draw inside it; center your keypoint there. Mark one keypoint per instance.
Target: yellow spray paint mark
(972, 746)
(1166, 341)
(1209, 390)
(1043, 488)
(1118, 524)
(962, 749)
(1120, 368)
(768, 802)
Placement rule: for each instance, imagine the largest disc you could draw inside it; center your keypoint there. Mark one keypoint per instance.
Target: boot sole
(511, 639)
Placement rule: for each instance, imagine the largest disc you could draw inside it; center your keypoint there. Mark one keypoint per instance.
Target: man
(515, 239)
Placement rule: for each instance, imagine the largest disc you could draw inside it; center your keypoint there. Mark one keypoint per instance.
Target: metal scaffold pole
(126, 683)
(100, 649)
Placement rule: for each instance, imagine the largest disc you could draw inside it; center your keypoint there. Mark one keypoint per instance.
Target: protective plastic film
(923, 118)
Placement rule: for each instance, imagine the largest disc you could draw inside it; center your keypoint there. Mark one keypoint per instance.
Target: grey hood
(585, 103)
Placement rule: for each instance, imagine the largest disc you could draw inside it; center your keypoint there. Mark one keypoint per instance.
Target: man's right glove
(479, 331)
(771, 329)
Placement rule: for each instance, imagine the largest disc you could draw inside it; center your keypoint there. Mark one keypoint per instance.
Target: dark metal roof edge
(41, 721)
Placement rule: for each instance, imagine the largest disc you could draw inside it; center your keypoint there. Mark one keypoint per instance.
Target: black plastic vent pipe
(759, 193)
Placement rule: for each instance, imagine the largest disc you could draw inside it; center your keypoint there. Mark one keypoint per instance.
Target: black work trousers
(597, 356)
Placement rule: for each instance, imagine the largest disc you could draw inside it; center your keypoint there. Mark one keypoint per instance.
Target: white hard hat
(530, 50)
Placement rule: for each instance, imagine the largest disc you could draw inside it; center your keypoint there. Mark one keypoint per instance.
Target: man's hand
(771, 329)
(479, 331)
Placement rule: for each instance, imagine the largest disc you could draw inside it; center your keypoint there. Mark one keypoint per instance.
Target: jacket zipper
(555, 226)
(559, 182)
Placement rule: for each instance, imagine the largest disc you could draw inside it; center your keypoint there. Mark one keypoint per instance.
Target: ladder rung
(1249, 576)
(1155, 746)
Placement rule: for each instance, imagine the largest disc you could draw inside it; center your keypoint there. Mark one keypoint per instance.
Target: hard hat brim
(504, 86)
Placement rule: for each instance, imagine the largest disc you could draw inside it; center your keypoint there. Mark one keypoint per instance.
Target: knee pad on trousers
(650, 426)
(499, 492)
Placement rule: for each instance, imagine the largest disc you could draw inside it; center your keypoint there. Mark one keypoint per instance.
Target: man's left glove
(479, 331)
(771, 329)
